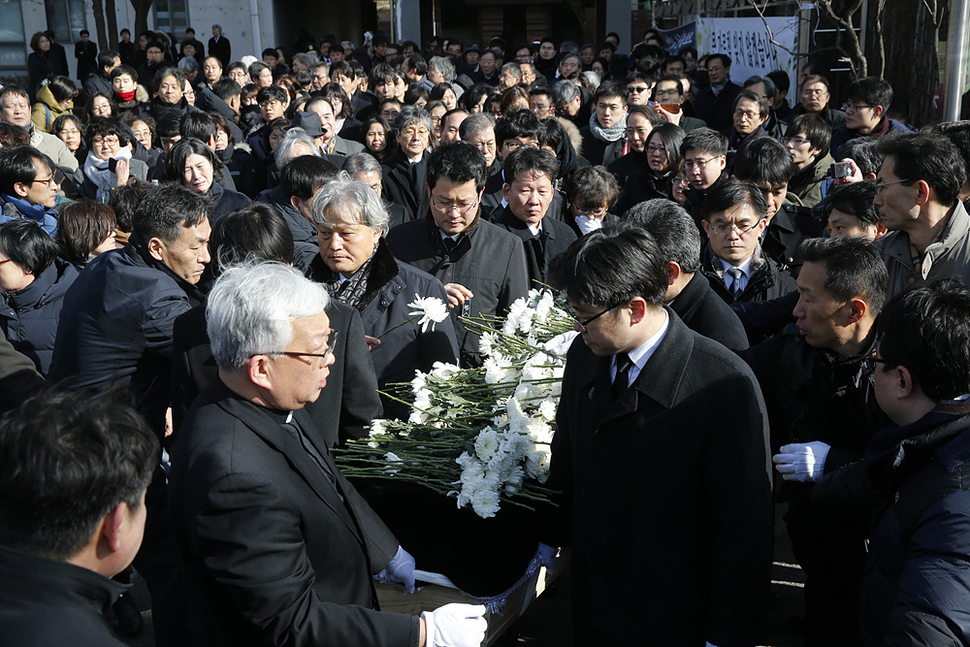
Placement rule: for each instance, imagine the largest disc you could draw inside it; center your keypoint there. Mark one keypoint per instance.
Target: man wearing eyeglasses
(668, 101)
(818, 388)
(704, 153)
(814, 97)
(406, 169)
(647, 469)
(272, 105)
(27, 187)
(865, 112)
(715, 102)
(482, 267)
(917, 193)
(734, 217)
(279, 547)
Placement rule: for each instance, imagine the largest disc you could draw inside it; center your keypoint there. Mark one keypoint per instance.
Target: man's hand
(855, 176)
(457, 293)
(372, 342)
(400, 570)
(669, 117)
(454, 625)
(123, 171)
(802, 462)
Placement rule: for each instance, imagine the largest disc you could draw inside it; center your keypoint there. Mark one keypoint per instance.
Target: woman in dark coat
(195, 165)
(42, 64)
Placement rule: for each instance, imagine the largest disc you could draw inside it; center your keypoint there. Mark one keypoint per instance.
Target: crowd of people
(207, 266)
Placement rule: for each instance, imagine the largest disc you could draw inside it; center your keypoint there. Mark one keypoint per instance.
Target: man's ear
(21, 189)
(878, 111)
(706, 226)
(857, 309)
(673, 272)
(111, 527)
(638, 309)
(259, 371)
(155, 247)
(506, 191)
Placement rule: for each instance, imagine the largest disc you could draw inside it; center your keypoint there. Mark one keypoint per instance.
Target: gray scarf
(614, 133)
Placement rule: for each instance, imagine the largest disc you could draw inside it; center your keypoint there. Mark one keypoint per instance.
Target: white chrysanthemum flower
(443, 371)
(520, 425)
(514, 481)
(526, 391)
(486, 444)
(485, 343)
(376, 427)
(432, 310)
(417, 417)
(513, 409)
(540, 431)
(544, 307)
(391, 457)
(547, 409)
(537, 463)
(494, 372)
(475, 471)
(485, 503)
(465, 460)
(419, 381)
(422, 399)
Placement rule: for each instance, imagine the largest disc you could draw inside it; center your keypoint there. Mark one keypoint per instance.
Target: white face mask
(587, 224)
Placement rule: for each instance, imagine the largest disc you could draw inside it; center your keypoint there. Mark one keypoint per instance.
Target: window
(13, 48)
(66, 19)
(172, 17)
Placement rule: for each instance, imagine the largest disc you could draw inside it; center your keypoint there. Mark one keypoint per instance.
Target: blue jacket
(29, 316)
(916, 586)
(123, 309)
(14, 208)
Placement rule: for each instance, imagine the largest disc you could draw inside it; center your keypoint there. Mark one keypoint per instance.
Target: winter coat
(555, 236)
(809, 182)
(47, 109)
(29, 316)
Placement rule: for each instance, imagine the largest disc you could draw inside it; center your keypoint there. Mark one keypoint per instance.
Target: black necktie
(622, 380)
(736, 274)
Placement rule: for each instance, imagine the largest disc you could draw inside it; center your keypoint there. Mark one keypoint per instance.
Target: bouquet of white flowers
(480, 435)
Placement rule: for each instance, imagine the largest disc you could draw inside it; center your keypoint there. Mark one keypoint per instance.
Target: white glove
(400, 569)
(455, 625)
(547, 556)
(802, 462)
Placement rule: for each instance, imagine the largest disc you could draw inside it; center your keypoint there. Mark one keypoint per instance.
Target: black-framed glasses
(849, 108)
(699, 163)
(796, 141)
(880, 186)
(331, 338)
(872, 360)
(583, 323)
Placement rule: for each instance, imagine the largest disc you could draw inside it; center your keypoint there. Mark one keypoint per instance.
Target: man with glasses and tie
(27, 187)
(482, 267)
(868, 101)
(278, 547)
(917, 193)
(734, 219)
(651, 476)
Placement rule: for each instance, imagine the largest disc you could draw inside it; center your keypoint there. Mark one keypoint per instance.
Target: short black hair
(198, 125)
(416, 63)
(381, 73)
(854, 199)
(106, 58)
(62, 88)
(929, 157)
(124, 70)
(27, 245)
(816, 131)
(459, 162)
(527, 159)
(724, 58)
(608, 267)
(343, 67)
(255, 69)
(256, 231)
(163, 211)
(732, 193)
(958, 132)
(169, 122)
(872, 91)
(185, 147)
(123, 201)
(751, 95)
(17, 165)
(781, 80)
(705, 140)
(610, 89)
(303, 175)
(103, 127)
(590, 186)
(69, 458)
(166, 72)
(764, 159)
(671, 136)
(673, 229)
(927, 330)
(521, 123)
(269, 51)
(272, 92)
(82, 226)
(853, 267)
(226, 89)
(864, 151)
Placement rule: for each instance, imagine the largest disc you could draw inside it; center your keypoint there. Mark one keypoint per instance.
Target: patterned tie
(622, 380)
(736, 274)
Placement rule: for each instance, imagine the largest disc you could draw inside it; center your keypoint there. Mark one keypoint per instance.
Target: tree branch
(771, 36)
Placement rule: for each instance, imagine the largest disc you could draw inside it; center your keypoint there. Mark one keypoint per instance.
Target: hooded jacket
(47, 109)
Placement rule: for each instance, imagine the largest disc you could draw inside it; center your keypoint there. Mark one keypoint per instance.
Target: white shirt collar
(642, 354)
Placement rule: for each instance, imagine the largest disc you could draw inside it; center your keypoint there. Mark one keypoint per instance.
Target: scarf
(46, 218)
(125, 97)
(354, 291)
(587, 224)
(614, 133)
(97, 171)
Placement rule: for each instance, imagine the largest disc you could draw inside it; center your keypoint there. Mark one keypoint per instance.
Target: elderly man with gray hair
(694, 301)
(366, 168)
(279, 547)
(358, 268)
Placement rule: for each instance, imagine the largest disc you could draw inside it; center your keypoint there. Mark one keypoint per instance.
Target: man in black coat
(689, 294)
(405, 171)
(818, 388)
(57, 549)
(278, 547)
(86, 53)
(482, 267)
(715, 102)
(529, 192)
(219, 46)
(661, 455)
(100, 79)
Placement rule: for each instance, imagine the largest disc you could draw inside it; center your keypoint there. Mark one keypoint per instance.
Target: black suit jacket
(400, 189)
(674, 476)
(221, 50)
(705, 312)
(555, 237)
(347, 404)
(272, 551)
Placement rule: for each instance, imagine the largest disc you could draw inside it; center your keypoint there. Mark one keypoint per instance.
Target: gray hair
(284, 150)
(566, 91)
(351, 197)
(476, 124)
(219, 27)
(770, 87)
(251, 308)
(442, 65)
(359, 163)
(413, 114)
(308, 59)
(592, 78)
(673, 229)
(189, 64)
(348, 42)
(513, 69)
